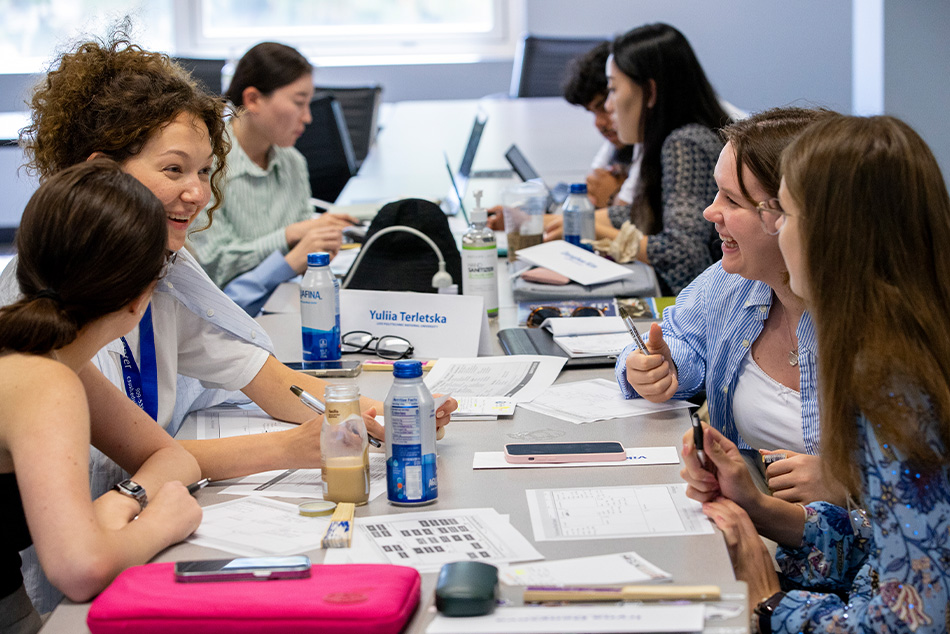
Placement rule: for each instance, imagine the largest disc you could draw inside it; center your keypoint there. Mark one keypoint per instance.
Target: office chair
(541, 63)
(325, 143)
(206, 72)
(360, 106)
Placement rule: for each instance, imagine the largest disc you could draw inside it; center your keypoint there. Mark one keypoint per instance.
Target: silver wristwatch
(134, 490)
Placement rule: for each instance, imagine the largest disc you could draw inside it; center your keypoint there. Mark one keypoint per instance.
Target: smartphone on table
(555, 452)
(329, 369)
(243, 569)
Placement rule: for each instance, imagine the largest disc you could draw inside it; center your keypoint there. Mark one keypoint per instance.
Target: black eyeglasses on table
(386, 347)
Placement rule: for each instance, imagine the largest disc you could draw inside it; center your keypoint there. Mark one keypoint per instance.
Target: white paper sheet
(489, 407)
(659, 510)
(614, 569)
(634, 618)
(304, 483)
(227, 421)
(592, 400)
(520, 378)
(579, 264)
(635, 456)
(426, 540)
(609, 344)
(569, 326)
(259, 527)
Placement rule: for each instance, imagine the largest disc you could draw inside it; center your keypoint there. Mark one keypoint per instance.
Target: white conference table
(699, 559)
(558, 139)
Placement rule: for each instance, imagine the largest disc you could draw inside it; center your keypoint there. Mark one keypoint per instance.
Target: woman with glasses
(77, 297)
(739, 332)
(864, 222)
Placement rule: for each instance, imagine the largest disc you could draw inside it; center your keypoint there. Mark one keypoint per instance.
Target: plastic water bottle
(410, 438)
(480, 259)
(320, 312)
(579, 217)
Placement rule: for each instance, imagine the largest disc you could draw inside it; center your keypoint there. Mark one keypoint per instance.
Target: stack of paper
(589, 336)
(580, 265)
(488, 387)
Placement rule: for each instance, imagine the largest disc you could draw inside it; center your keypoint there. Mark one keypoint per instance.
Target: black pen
(318, 407)
(698, 438)
(194, 487)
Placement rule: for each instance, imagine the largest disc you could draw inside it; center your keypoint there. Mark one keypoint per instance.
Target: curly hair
(111, 96)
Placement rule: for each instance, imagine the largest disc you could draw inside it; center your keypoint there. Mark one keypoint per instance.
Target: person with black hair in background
(659, 97)
(265, 225)
(81, 291)
(615, 168)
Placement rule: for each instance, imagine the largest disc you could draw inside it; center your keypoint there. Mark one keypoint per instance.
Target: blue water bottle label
(410, 474)
(320, 345)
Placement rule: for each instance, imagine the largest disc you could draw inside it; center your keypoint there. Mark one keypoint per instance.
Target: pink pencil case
(350, 599)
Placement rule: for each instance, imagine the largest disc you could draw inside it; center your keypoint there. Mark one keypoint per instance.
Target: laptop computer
(526, 172)
(451, 202)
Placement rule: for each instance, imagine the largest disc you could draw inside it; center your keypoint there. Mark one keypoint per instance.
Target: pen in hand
(194, 487)
(318, 407)
(632, 329)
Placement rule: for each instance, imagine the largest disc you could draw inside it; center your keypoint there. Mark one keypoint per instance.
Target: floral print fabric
(894, 567)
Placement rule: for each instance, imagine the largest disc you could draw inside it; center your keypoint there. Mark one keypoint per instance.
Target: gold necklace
(793, 353)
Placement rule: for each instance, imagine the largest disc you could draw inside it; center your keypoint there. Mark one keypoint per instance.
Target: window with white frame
(349, 32)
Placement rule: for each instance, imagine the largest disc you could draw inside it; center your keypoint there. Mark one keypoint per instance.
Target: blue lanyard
(142, 386)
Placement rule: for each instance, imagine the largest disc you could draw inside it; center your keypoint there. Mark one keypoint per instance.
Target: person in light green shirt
(265, 227)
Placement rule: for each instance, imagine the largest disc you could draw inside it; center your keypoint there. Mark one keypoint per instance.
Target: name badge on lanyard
(141, 383)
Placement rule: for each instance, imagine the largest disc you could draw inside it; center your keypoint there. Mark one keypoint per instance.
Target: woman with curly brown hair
(194, 346)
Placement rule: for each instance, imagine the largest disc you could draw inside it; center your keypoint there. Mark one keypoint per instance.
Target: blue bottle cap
(318, 259)
(409, 369)
(578, 188)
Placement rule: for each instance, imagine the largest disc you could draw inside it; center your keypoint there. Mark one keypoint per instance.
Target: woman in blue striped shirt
(738, 331)
(863, 218)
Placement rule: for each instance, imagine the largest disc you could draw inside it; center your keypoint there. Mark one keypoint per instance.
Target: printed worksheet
(518, 377)
(615, 569)
(228, 421)
(592, 400)
(259, 527)
(304, 483)
(426, 540)
(611, 512)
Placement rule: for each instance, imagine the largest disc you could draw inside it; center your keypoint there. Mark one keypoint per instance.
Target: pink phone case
(541, 275)
(550, 458)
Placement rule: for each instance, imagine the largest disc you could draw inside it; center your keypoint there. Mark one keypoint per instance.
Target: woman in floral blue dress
(863, 218)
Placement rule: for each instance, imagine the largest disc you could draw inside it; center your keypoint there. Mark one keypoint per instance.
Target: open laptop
(451, 202)
(526, 172)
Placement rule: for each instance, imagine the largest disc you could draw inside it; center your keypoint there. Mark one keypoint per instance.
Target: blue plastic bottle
(578, 214)
(410, 438)
(320, 312)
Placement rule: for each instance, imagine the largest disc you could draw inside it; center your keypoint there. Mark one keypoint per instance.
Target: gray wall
(917, 70)
(757, 55)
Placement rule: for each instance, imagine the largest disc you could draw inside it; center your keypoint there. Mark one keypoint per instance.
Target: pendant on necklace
(793, 357)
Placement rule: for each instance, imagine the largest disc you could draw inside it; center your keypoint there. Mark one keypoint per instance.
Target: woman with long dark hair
(80, 291)
(660, 98)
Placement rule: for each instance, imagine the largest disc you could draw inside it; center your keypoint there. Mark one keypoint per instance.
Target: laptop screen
(465, 169)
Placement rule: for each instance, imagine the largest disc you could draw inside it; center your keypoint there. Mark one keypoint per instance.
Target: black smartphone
(329, 369)
(243, 569)
(698, 438)
(603, 451)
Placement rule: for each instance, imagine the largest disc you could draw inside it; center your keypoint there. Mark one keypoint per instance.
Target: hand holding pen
(307, 399)
(650, 369)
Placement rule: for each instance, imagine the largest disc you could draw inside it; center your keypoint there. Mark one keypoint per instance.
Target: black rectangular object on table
(540, 341)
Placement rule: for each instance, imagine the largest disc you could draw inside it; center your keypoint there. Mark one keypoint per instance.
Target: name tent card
(436, 325)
